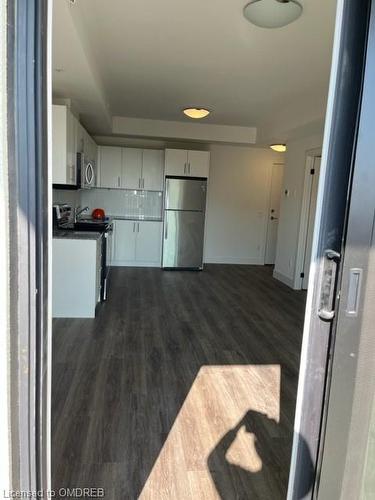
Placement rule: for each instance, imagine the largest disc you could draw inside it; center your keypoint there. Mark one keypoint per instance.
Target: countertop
(76, 235)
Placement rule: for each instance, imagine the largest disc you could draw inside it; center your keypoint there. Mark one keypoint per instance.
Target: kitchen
(127, 190)
(177, 322)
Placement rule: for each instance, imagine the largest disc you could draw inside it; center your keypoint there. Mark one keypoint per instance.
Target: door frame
(28, 101)
(339, 145)
(311, 154)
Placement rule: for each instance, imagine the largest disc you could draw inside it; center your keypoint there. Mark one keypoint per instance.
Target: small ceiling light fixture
(196, 113)
(280, 148)
(272, 13)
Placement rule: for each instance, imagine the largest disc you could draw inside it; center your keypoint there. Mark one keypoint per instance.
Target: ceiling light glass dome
(272, 13)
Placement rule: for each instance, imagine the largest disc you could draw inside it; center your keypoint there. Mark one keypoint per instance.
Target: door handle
(354, 289)
(133, 227)
(273, 218)
(137, 227)
(326, 307)
(118, 181)
(185, 167)
(189, 168)
(166, 230)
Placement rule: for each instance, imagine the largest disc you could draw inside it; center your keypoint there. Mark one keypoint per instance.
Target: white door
(153, 169)
(148, 245)
(273, 212)
(176, 162)
(315, 171)
(198, 163)
(131, 168)
(124, 237)
(110, 167)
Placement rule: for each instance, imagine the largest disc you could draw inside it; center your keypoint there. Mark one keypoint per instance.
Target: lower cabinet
(76, 277)
(137, 243)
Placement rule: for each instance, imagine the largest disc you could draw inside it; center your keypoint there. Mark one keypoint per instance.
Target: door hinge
(312, 171)
(302, 275)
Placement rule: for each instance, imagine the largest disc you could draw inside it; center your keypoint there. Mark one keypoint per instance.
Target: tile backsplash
(124, 202)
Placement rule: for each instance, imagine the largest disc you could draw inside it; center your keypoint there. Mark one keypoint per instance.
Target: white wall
(290, 209)
(238, 202)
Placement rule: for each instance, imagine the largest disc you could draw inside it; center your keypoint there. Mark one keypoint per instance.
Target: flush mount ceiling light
(196, 113)
(272, 13)
(280, 148)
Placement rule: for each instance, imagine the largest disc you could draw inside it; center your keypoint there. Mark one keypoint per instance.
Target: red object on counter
(98, 213)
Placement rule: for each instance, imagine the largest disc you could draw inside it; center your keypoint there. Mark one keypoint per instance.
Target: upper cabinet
(187, 163)
(110, 161)
(153, 169)
(64, 128)
(131, 168)
(69, 137)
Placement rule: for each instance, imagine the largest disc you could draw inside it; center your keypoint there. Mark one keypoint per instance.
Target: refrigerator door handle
(166, 229)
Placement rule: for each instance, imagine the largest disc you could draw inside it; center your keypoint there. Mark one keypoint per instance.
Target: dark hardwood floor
(182, 387)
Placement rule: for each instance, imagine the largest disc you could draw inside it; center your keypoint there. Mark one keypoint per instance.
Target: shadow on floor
(272, 446)
(121, 380)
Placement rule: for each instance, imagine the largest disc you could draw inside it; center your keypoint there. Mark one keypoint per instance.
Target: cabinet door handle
(185, 168)
(143, 183)
(118, 181)
(138, 227)
(166, 230)
(189, 167)
(133, 227)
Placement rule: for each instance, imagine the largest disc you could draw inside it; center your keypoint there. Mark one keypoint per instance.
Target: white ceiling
(150, 59)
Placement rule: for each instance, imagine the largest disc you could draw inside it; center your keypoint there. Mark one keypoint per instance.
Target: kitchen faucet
(78, 211)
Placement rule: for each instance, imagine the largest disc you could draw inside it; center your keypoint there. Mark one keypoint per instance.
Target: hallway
(183, 387)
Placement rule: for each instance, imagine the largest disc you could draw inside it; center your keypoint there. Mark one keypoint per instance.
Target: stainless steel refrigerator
(184, 213)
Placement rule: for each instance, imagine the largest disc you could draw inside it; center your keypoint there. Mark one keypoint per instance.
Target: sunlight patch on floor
(217, 402)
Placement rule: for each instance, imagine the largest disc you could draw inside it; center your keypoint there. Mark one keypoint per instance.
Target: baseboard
(226, 260)
(135, 264)
(284, 279)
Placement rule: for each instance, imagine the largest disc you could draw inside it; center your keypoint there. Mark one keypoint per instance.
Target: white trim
(284, 279)
(311, 154)
(234, 260)
(125, 263)
(319, 208)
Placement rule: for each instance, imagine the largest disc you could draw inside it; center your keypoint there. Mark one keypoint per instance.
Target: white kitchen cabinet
(153, 169)
(176, 162)
(80, 138)
(148, 244)
(64, 147)
(76, 276)
(124, 236)
(137, 243)
(131, 168)
(187, 163)
(198, 163)
(110, 166)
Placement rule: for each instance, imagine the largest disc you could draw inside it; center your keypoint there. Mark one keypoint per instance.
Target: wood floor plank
(182, 387)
